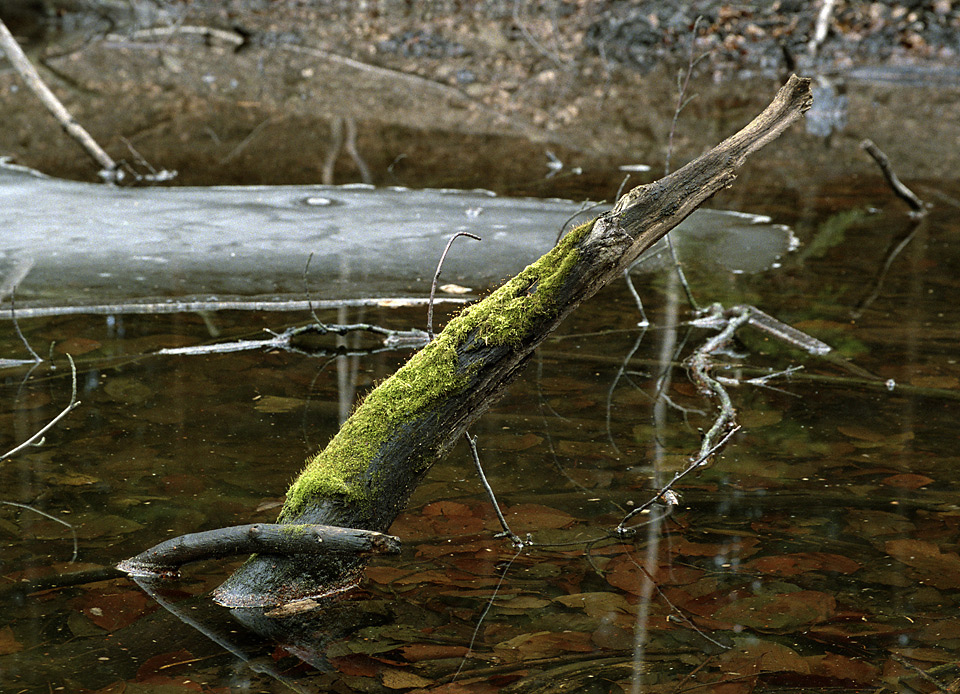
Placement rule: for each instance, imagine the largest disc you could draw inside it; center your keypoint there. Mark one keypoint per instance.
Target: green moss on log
(432, 374)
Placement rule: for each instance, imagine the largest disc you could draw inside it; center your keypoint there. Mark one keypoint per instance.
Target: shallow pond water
(818, 552)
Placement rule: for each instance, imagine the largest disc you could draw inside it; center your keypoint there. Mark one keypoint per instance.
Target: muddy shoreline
(264, 93)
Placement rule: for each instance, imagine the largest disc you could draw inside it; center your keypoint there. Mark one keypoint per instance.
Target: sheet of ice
(88, 243)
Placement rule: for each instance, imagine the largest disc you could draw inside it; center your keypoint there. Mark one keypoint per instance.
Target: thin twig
(583, 209)
(233, 153)
(73, 532)
(109, 170)
(306, 292)
(507, 532)
(74, 403)
(664, 493)
(16, 326)
(436, 277)
(908, 196)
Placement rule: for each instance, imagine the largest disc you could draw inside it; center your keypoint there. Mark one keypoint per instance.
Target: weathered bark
(165, 559)
(365, 476)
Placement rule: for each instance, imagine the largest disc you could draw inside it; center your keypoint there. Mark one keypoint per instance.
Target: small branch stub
(917, 207)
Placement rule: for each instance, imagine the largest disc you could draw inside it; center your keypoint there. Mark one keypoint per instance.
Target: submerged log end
(270, 581)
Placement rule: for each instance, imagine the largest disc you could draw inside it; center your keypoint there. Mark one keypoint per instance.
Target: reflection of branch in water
(259, 665)
(476, 631)
(340, 141)
(16, 326)
(893, 251)
(73, 531)
(616, 380)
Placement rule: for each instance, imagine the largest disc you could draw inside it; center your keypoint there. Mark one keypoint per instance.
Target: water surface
(817, 553)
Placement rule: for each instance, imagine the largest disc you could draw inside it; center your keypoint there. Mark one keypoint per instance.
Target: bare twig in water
(392, 339)
(73, 532)
(666, 495)
(436, 277)
(16, 326)
(917, 207)
(109, 170)
(152, 175)
(74, 403)
(507, 532)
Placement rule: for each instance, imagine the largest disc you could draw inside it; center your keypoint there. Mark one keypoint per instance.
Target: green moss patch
(503, 318)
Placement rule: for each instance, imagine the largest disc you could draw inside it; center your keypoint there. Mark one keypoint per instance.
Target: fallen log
(364, 477)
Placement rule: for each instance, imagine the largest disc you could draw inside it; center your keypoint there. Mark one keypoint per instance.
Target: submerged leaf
(543, 644)
(8, 642)
(801, 563)
(784, 612)
(936, 568)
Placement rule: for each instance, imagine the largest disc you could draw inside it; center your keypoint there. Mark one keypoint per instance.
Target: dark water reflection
(818, 552)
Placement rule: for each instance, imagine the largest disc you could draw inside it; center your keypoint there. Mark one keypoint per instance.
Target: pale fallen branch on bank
(110, 170)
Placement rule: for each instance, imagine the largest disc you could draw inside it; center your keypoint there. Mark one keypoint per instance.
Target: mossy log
(364, 477)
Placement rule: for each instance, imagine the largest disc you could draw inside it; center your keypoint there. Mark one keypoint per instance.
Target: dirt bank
(476, 94)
